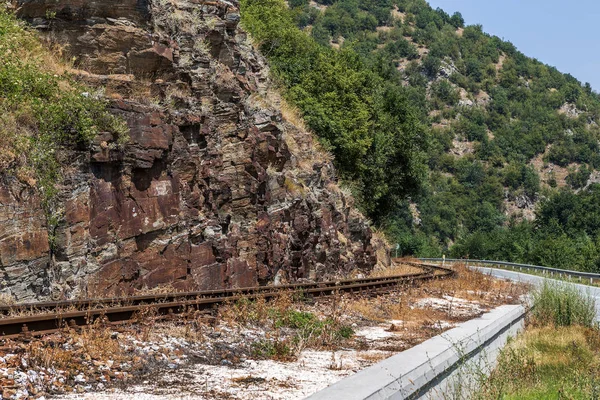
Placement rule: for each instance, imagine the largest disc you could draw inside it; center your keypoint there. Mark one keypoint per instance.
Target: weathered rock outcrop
(214, 189)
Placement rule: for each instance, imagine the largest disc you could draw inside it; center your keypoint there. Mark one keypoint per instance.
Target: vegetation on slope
(42, 110)
(366, 121)
(395, 88)
(556, 357)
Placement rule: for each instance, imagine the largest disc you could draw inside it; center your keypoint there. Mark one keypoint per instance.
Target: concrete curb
(426, 370)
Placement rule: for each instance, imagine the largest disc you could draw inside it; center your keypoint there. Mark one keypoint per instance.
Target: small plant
(202, 47)
(277, 349)
(292, 330)
(6, 299)
(335, 364)
(294, 187)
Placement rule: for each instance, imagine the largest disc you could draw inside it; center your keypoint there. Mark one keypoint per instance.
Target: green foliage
(564, 235)
(371, 101)
(445, 93)
(309, 326)
(578, 179)
(42, 111)
(519, 175)
(272, 349)
(367, 122)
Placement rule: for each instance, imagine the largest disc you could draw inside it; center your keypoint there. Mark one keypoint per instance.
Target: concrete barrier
(433, 369)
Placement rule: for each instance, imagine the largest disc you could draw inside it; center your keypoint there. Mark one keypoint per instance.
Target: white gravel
(268, 380)
(455, 307)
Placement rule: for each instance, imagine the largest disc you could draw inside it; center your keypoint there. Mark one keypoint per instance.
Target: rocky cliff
(214, 188)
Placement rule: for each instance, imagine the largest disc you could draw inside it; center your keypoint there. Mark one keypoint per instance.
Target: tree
(457, 20)
(431, 66)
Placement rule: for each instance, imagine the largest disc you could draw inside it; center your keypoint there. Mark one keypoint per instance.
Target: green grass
(309, 326)
(289, 330)
(548, 363)
(562, 305)
(557, 357)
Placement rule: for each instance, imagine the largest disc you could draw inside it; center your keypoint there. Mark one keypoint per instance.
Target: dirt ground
(284, 349)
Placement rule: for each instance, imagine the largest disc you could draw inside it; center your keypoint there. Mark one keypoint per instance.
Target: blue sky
(559, 33)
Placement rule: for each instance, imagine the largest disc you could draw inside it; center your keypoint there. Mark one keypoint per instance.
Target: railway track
(48, 317)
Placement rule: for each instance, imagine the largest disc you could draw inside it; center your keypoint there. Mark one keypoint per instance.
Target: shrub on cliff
(41, 109)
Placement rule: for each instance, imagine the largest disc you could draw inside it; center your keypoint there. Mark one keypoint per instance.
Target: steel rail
(57, 315)
(154, 298)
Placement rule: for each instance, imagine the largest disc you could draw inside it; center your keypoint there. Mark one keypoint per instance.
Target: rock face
(214, 189)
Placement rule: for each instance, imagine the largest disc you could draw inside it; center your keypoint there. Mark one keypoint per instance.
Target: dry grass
(7, 299)
(295, 187)
(290, 326)
(468, 285)
(300, 140)
(397, 268)
(547, 363)
(192, 331)
(161, 289)
(91, 343)
(397, 308)
(476, 286)
(291, 114)
(374, 357)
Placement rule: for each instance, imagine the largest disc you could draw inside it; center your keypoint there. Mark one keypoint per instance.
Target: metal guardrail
(545, 270)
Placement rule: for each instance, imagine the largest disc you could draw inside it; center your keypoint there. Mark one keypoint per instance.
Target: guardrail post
(591, 281)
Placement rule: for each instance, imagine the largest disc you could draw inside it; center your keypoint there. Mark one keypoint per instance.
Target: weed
(335, 364)
(294, 187)
(556, 357)
(546, 362)
(277, 349)
(291, 330)
(92, 343)
(6, 299)
(562, 305)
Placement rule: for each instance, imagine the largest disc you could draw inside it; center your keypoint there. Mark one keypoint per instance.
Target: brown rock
(202, 196)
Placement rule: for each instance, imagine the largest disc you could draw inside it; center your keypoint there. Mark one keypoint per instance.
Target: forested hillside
(451, 139)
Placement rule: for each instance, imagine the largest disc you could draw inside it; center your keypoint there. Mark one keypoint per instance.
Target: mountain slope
(500, 134)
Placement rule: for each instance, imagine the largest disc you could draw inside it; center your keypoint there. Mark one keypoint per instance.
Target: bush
(43, 110)
(578, 179)
(562, 305)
